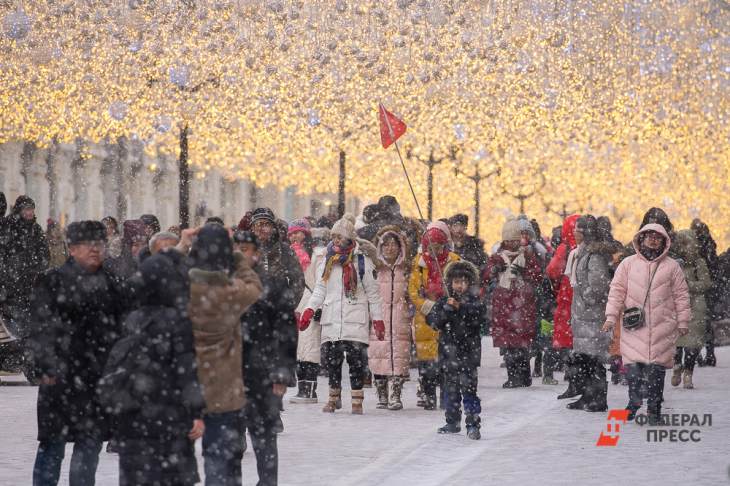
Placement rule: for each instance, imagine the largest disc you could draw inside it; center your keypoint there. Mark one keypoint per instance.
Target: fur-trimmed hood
(461, 266)
(404, 249)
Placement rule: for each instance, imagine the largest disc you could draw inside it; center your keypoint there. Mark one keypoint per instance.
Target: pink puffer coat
(391, 356)
(667, 309)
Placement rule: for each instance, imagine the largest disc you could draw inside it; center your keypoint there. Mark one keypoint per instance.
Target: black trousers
(336, 352)
(307, 371)
(651, 375)
(518, 364)
(461, 385)
(690, 358)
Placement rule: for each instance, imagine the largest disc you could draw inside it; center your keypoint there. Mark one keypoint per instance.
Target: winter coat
(345, 319)
(426, 338)
(24, 256)
(667, 308)
(514, 309)
(310, 340)
(460, 341)
(698, 281)
(411, 227)
(588, 311)
(277, 258)
(269, 348)
(392, 355)
(472, 250)
(217, 302)
(562, 332)
(75, 321)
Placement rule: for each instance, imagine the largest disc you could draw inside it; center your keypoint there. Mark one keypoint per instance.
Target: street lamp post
(524, 196)
(430, 162)
(477, 176)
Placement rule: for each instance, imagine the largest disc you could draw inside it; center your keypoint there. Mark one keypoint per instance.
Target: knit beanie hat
(512, 230)
(263, 214)
(345, 227)
(300, 225)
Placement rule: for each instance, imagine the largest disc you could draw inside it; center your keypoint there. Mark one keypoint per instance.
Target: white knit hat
(345, 227)
(512, 230)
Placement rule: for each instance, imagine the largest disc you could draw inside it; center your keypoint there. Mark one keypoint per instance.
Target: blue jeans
(223, 448)
(462, 384)
(84, 460)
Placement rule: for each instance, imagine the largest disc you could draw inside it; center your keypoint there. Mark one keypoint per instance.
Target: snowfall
(528, 438)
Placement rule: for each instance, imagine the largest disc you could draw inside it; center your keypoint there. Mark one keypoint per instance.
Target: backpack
(125, 373)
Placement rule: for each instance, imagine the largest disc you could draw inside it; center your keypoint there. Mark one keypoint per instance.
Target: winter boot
(598, 397)
(576, 380)
(449, 428)
(549, 380)
(538, 365)
(633, 409)
(306, 392)
(420, 402)
(334, 402)
(357, 398)
(396, 387)
(654, 414)
(381, 387)
(710, 359)
(677, 375)
(512, 381)
(687, 380)
(367, 380)
(581, 403)
(473, 424)
(430, 401)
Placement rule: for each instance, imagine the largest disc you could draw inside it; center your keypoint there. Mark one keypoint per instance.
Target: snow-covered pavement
(528, 438)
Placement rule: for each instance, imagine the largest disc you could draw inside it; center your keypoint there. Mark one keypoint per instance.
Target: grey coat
(590, 294)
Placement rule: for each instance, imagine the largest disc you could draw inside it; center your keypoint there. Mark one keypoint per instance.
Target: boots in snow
(687, 380)
(633, 409)
(576, 379)
(579, 404)
(367, 381)
(381, 387)
(710, 359)
(654, 414)
(538, 365)
(357, 398)
(677, 375)
(549, 380)
(597, 401)
(421, 401)
(334, 402)
(449, 428)
(472, 427)
(430, 401)
(306, 393)
(396, 387)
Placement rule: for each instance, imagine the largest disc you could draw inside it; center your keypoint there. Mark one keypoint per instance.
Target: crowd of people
(152, 339)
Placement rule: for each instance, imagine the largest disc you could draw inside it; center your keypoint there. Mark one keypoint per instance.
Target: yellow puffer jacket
(426, 339)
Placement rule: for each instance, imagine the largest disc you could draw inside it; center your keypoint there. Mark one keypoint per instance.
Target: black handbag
(634, 317)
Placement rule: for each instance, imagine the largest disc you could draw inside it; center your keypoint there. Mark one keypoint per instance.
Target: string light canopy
(594, 105)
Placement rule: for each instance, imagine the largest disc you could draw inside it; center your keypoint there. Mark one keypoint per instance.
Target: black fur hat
(80, 231)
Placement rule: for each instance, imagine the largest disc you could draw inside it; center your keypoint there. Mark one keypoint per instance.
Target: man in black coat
(469, 248)
(269, 359)
(74, 324)
(24, 256)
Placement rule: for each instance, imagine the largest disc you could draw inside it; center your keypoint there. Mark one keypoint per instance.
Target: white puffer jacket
(345, 319)
(310, 340)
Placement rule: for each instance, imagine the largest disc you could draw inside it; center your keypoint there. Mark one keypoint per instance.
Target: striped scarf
(342, 257)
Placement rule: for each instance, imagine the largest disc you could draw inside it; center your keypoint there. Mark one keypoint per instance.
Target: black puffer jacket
(460, 345)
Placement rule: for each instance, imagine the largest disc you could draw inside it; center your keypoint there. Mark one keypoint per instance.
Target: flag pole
(413, 193)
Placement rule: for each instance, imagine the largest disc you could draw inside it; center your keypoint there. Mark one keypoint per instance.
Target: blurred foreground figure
(74, 323)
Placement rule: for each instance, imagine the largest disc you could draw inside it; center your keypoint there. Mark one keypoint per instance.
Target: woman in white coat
(348, 293)
(310, 339)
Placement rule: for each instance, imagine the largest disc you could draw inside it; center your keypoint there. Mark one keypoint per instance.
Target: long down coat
(563, 334)
(391, 356)
(667, 308)
(698, 281)
(75, 321)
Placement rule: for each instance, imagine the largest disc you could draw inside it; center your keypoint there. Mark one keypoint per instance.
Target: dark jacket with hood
(24, 256)
(460, 345)
(172, 396)
(75, 320)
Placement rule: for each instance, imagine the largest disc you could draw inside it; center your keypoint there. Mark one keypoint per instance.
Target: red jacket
(514, 310)
(563, 333)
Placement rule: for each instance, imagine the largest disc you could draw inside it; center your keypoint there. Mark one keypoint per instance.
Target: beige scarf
(571, 265)
(510, 258)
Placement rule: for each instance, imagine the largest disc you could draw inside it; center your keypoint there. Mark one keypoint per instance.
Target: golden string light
(618, 105)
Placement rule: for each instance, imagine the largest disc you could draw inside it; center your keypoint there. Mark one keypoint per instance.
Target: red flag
(391, 128)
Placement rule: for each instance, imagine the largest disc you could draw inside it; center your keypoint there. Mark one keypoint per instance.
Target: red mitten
(379, 327)
(306, 318)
